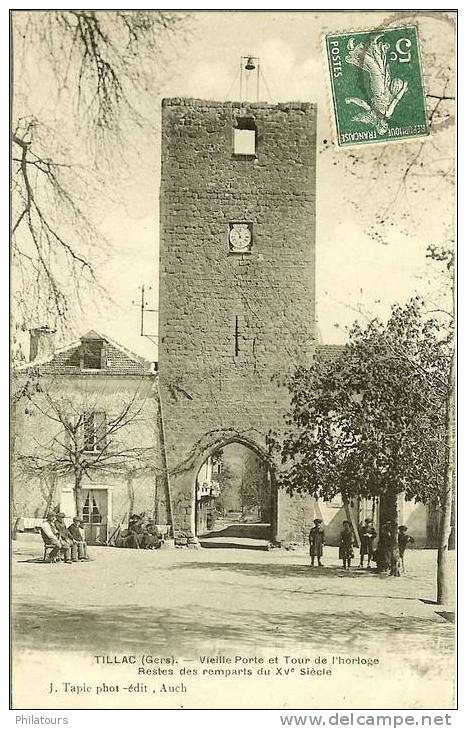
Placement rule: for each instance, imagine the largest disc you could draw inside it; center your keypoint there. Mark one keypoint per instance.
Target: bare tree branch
(66, 452)
(99, 70)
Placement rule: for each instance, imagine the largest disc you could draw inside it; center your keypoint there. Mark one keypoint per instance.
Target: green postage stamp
(377, 85)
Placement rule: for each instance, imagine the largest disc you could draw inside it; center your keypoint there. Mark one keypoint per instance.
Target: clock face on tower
(240, 237)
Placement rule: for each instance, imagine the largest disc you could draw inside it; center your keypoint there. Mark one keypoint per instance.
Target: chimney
(41, 343)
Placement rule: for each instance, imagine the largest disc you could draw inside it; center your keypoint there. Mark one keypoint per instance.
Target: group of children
(368, 535)
(141, 534)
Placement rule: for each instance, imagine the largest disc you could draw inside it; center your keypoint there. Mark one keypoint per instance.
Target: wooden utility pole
(160, 420)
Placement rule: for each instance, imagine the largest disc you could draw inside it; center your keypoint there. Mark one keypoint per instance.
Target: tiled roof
(117, 360)
(92, 335)
(329, 352)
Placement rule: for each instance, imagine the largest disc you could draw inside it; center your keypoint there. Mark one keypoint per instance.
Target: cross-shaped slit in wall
(236, 337)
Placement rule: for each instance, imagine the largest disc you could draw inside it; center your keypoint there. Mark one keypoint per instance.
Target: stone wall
(211, 299)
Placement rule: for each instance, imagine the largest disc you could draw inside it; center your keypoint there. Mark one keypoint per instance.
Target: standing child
(316, 539)
(403, 539)
(346, 545)
(367, 541)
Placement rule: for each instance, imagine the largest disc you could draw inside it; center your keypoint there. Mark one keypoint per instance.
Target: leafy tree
(371, 422)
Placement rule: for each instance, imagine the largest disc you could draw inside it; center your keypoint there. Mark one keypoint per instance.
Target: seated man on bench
(76, 532)
(67, 543)
(52, 539)
(151, 536)
(134, 535)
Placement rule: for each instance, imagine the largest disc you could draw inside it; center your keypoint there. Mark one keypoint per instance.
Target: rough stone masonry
(231, 323)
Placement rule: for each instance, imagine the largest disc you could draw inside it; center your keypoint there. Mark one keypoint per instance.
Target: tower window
(245, 137)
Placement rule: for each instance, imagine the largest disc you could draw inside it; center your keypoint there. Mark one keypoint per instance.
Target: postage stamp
(377, 85)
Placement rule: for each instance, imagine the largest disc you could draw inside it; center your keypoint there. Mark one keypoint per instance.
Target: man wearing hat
(151, 536)
(67, 545)
(49, 535)
(316, 539)
(134, 537)
(346, 540)
(76, 532)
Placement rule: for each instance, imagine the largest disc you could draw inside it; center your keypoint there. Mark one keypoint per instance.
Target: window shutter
(87, 510)
(88, 428)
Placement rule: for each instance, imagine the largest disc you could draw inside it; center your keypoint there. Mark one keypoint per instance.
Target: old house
(87, 412)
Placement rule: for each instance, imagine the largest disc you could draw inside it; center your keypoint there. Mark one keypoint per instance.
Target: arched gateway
(235, 494)
(237, 280)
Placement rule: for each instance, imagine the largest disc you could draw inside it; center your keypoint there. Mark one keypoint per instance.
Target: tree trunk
(14, 531)
(373, 509)
(131, 494)
(395, 569)
(447, 495)
(351, 519)
(388, 555)
(156, 498)
(78, 495)
(50, 488)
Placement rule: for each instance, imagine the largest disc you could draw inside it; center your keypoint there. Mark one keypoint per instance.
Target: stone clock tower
(237, 277)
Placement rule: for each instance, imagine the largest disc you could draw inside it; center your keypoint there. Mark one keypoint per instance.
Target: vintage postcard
(233, 360)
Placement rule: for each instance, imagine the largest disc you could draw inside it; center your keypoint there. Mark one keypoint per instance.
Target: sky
(355, 271)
